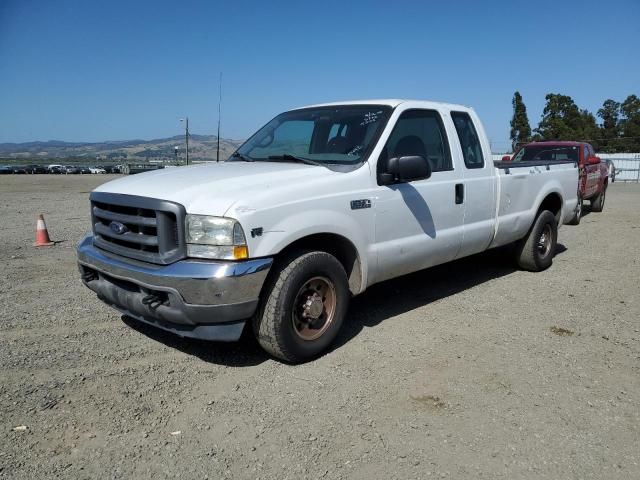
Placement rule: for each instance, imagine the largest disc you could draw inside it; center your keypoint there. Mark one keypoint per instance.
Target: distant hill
(201, 147)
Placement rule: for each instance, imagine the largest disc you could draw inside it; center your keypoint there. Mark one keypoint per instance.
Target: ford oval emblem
(117, 227)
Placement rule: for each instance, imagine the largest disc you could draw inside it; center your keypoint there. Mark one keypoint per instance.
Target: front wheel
(303, 308)
(535, 251)
(597, 204)
(578, 215)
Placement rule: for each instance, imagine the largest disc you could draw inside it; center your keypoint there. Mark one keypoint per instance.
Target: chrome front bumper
(209, 300)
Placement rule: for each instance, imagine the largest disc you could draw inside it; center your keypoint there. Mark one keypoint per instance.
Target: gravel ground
(470, 370)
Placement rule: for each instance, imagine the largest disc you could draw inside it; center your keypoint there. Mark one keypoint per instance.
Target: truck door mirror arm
(405, 169)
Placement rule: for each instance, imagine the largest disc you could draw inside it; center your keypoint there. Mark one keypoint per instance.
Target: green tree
(589, 130)
(561, 119)
(610, 131)
(630, 124)
(610, 115)
(520, 128)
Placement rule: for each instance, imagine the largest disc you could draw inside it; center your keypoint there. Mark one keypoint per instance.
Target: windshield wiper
(241, 156)
(295, 158)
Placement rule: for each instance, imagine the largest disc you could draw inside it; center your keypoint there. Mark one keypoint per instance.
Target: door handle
(459, 193)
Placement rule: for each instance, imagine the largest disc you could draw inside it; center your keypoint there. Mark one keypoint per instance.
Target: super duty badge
(358, 204)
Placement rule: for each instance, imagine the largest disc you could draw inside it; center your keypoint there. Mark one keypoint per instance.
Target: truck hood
(211, 189)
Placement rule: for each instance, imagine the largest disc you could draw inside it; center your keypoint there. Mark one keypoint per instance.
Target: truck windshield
(343, 134)
(533, 153)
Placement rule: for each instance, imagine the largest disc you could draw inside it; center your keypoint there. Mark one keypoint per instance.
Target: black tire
(275, 323)
(534, 254)
(597, 203)
(578, 215)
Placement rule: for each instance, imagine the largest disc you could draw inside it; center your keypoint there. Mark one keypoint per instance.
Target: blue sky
(90, 71)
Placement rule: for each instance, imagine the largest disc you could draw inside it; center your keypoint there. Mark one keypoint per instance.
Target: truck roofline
(563, 143)
(391, 103)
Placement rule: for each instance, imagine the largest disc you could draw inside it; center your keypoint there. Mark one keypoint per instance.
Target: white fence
(627, 165)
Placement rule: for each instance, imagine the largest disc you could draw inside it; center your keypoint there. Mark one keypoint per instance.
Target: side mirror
(406, 169)
(593, 160)
(506, 158)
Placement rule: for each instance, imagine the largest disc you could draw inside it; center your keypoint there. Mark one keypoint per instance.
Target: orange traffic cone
(42, 235)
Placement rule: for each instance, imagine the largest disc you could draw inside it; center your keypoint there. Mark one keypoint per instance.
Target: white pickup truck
(318, 205)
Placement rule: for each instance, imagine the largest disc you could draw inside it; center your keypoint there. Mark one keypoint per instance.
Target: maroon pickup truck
(594, 174)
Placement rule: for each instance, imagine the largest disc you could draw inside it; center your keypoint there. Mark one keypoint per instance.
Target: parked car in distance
(35, 169)
(6, 170)
(97, 170)
(593, 173)
(84, 170)
(109, 168)
(318, 205)
(612, 169)
(56, 169)
(18, 169)
(68, 169)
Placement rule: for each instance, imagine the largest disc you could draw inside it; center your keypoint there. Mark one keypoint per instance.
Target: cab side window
(419, 132)
(469, 141)
(586, 154)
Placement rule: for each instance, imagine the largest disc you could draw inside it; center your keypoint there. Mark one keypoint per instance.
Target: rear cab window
(469, 141)
(543, 152)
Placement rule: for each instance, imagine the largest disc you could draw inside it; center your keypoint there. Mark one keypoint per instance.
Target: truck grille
(141, 228)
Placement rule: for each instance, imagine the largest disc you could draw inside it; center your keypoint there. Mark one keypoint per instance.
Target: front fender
(296, 225)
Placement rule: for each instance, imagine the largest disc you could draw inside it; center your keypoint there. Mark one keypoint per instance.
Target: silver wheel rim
(545, 241)
(579, 212)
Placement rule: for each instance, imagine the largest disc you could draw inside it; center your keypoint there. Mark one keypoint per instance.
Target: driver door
(591, 173)
(418, 224)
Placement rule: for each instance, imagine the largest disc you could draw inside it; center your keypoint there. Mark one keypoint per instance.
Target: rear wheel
(535, 251)
(305, 304)
(578, 215)
(597, 203)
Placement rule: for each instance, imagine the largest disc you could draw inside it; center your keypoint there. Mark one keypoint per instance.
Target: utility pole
(186, 138)
(219, 103)
(186, 135)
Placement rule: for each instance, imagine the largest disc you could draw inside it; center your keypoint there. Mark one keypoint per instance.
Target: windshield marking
(370, 117)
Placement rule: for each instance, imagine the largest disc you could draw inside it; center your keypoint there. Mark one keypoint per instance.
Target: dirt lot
(472, 370)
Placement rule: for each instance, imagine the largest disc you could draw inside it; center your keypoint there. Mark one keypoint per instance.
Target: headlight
(215, 237)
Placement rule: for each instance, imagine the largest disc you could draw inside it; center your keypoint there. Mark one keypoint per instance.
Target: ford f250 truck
(315, 207)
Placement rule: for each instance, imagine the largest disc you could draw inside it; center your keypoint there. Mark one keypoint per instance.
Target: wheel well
(339, 247)
(553, 203)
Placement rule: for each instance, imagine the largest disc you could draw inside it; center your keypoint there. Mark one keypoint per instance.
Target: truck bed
(521, 187)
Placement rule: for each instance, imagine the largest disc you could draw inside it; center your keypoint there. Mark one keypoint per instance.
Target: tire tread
(526, 255)
(265, 321)
(597, 203)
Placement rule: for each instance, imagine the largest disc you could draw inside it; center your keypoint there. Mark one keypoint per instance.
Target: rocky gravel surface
(465, 371)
